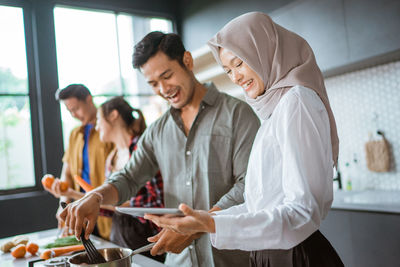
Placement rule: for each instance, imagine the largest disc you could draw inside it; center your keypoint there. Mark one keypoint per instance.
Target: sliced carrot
(19, 251)
(87, 187)
(32, 248)
(55, 252)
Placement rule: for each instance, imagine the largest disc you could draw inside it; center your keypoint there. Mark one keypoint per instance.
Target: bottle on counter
(349, 186)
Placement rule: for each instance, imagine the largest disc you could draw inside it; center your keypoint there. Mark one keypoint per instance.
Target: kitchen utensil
(139, 211)
(143, 249)
(93, 254)
(115, 257)
(94, 257)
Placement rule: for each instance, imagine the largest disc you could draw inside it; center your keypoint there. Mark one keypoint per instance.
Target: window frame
(33, 101)
(33, 48)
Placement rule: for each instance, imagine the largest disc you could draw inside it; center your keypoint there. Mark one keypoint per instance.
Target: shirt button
(188, 153)
(187, 183)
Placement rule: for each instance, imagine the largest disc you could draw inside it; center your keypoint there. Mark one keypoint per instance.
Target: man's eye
(167, 77)
(228, 72)
(240, 64)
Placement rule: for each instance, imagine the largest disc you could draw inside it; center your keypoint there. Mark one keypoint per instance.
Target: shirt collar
(211, 95)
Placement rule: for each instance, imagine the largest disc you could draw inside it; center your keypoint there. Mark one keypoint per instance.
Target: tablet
(139, 212)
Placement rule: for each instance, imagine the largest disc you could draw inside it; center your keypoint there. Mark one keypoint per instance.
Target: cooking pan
(115, 257)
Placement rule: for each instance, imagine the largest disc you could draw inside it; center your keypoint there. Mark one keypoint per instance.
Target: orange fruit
(63, 186)
(47, 180)
(19, 251)
(32, 248)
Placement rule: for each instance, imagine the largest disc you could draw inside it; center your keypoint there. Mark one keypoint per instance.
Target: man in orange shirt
(86, 154)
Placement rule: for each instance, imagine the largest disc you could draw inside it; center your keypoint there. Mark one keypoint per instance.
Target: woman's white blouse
(289, 179)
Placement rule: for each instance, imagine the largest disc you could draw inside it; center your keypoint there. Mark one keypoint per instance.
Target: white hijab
(280, 57)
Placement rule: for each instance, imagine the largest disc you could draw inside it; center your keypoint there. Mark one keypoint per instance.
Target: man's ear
(188, 60)
(89, 99)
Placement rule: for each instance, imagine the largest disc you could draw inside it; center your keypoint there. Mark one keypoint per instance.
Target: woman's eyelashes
(237, 65)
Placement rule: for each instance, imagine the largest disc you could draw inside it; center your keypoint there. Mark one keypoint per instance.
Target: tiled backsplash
(362, 102)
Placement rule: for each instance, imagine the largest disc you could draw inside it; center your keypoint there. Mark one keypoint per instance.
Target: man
(201, 146)
(86, 154)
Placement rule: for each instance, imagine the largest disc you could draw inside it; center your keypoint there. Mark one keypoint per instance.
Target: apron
(315, 251)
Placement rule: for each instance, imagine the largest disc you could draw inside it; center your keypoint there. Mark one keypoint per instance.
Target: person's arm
(195, 222)
(115, 191)
(172, 240)
(70, 193)
(245, 128)
(87, 209)
(141, 167)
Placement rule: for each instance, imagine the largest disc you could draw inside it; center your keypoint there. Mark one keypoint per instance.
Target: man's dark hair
(170, 44)
(78, 91)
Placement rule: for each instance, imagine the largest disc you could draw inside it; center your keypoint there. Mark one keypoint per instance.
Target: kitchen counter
(44, 237)
(370, 200)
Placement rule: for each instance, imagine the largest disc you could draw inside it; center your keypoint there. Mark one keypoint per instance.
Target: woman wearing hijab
(288, 188)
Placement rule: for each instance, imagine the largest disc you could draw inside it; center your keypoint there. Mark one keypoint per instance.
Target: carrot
(55, 252)
(19, 251)
(32, 248)
(87, 187)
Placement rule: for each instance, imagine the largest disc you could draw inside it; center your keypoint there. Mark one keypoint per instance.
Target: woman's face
(103, 127)
(241, 73)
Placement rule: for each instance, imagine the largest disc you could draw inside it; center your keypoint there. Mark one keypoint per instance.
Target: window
(16, 151)
(95, 48)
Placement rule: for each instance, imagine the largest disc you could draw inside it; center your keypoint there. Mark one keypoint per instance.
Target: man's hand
(79, 212)
(193, 222)
(170, 241)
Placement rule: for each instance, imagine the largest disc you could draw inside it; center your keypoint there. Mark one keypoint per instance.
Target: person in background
(289, 188)
(201, 146)
(122, 125)
(85, 155)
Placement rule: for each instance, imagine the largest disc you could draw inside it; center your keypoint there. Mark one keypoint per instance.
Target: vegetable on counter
(17, 240)
(32, 248)
(19, 251)
(55, 252)
(63, 241)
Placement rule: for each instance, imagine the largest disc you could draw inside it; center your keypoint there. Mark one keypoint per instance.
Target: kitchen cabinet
(322, 24)
(363, 238)
(373, 27)
(345, 35)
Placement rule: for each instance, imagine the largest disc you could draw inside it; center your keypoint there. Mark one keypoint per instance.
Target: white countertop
(44, 237)
(370, 200)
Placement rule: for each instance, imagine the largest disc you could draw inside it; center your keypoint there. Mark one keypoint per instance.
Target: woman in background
(288, 189)
(119, 123)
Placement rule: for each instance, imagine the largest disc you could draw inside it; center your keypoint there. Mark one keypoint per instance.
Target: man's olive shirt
(203, 169)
